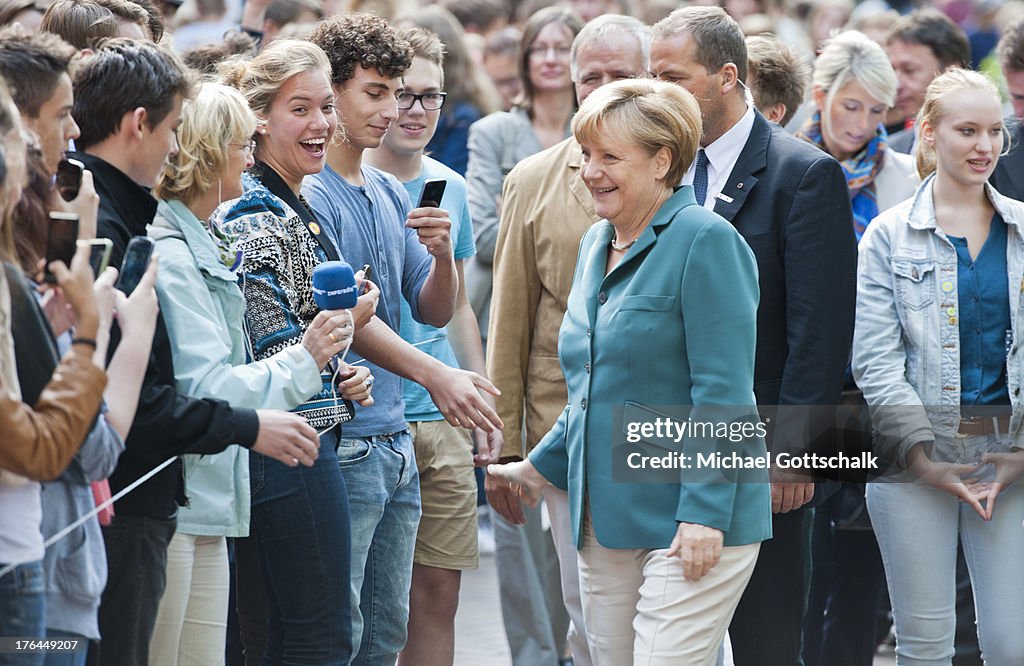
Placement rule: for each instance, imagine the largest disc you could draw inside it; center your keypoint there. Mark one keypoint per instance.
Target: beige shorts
(447, 533)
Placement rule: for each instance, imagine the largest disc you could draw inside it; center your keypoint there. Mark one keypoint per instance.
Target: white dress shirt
(722, 155)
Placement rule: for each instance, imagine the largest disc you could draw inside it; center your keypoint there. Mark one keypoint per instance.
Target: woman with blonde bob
(935, 350)
(854, 86)
(662, 313)
(204, 311)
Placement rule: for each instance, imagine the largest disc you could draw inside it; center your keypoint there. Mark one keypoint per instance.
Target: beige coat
(546, 210)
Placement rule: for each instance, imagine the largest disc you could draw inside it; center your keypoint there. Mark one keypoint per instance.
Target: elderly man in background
(546, 211)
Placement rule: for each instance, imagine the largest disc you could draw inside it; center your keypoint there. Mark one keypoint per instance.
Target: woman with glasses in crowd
(539, 120)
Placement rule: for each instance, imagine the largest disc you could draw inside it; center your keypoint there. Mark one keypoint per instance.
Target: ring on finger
(330, 334)
(295, 462)
(369, 382)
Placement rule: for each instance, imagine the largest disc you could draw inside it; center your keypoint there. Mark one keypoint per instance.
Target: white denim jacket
(906, 343)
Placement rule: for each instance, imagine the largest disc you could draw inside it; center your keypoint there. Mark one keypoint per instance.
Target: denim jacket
(906, 345)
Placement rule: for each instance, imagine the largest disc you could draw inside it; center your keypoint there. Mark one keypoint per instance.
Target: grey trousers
(536, 623)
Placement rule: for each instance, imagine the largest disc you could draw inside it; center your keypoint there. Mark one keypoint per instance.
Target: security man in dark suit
(790, 202)
(1008, 178)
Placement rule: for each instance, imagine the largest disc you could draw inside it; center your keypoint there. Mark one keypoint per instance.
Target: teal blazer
(672, 325)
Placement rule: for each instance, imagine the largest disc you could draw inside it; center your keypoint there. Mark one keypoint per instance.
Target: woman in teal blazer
(660, 323)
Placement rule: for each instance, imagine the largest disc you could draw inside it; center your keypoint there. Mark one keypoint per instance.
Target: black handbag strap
(273, 182)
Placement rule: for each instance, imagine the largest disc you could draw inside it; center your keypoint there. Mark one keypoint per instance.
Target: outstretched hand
(511, 484)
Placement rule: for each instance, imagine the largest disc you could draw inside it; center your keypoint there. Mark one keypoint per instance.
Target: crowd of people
(560, 221)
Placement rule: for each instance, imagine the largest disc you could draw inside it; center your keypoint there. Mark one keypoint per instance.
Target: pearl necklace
(624, 247)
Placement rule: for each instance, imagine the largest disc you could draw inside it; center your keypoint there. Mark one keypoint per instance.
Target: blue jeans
(23, 610)
(300, 520)
(384, 496)
(917, 528)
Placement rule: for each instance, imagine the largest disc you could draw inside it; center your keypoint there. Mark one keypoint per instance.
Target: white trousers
(639, 609)
(191, 625)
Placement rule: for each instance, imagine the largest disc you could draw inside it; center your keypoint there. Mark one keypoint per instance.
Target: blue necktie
(700, 177)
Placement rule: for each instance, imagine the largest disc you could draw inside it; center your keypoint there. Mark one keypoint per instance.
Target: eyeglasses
(429, 101)
(250, 146)
(542, 50)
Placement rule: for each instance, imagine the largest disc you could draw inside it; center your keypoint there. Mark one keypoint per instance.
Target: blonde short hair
(853, 56)
(952, 80)
(216, 118)
(651, 114)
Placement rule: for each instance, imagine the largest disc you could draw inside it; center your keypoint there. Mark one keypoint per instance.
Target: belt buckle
(969, 421)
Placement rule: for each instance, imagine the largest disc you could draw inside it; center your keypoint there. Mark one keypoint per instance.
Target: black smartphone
(433, 191)
(69, 178)
(99, 254)
(60, 241)
(367, 270)
(136, 261)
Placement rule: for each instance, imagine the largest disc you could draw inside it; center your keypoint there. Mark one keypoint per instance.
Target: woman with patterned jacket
(203, 307)
(300, 519)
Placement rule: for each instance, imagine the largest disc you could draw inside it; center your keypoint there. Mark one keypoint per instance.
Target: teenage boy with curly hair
(369, 216)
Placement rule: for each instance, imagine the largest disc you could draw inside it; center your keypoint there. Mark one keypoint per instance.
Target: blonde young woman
(935, 351)
(203, 308)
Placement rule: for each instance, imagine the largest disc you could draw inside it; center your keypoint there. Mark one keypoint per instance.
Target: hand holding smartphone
(60, 241)
(69, 178)
(364, 285)
(136, 260)
(433, 192)
(99, 254)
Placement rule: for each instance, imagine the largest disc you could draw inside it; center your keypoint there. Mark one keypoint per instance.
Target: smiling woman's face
(299, 126)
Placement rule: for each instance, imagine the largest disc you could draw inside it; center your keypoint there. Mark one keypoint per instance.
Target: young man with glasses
(368, 214)
(446, 542)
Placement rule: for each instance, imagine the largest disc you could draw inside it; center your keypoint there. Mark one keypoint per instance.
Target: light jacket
(497, 142)
(545, 211)
(895, 181)
(204, 312)
(906, 347)
(673, 324)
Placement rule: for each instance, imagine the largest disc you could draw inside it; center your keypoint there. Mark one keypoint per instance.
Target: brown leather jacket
(40, 441)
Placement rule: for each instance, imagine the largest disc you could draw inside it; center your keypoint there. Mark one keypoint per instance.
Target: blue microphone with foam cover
(334, 286)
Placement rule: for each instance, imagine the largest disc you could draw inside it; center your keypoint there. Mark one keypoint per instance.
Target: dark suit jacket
(1008, 178)
(789, 201)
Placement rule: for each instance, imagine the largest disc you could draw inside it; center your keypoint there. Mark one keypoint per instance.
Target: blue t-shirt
(418, 405)
(984, 301)
(367, 225)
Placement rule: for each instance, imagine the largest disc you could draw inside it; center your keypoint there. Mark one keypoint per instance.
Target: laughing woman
(300, 518)
(935, 350)
(203, 307)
